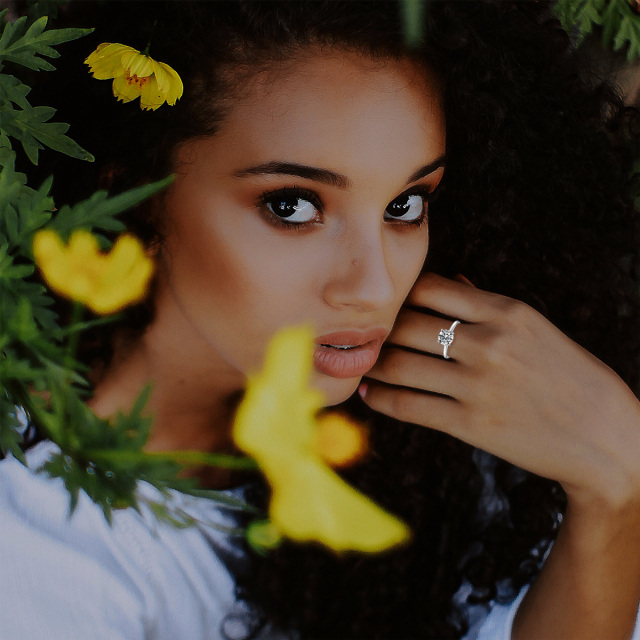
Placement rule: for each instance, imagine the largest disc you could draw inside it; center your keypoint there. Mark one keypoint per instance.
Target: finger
(419, 371)
(455, 299)
(406, 405)
(420, 331)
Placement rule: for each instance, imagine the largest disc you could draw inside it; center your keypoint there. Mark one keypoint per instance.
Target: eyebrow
(325, 176)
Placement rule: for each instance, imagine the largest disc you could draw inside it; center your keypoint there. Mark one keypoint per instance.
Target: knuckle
(502, 337)
(496, 349)
(515, 313)
(421, 289)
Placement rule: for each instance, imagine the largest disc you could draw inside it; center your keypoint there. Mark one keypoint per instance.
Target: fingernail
(362, 389)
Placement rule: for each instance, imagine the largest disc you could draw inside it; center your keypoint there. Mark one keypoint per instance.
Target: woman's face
(309, 206)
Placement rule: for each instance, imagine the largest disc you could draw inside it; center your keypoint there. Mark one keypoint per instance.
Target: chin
(335, 390)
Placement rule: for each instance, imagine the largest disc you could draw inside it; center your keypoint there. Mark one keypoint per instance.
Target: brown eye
(292, 208)
(405, 208)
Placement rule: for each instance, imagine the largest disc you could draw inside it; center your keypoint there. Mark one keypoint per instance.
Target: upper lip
(352, 337)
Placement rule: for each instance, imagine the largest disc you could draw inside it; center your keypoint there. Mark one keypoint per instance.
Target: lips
(348, 354)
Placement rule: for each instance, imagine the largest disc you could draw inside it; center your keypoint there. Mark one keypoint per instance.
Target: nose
(360, 276)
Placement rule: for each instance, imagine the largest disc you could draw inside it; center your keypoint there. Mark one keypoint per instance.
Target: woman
(308, 150)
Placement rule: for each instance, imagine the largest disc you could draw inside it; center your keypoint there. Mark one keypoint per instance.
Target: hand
(515, 386)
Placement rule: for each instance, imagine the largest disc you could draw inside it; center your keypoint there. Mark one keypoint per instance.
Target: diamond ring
(445, 337)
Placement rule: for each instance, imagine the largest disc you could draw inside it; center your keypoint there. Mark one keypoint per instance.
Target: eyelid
(291, 192)
(428, 192)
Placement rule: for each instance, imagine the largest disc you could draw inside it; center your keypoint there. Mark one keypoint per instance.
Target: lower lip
(346, 363)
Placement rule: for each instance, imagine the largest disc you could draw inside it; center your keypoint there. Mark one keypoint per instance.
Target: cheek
(237, 284)
(407, 257)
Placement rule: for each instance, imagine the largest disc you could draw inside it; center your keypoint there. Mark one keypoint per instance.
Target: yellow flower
(135, 74)
(338, 440)
(276, 424)
(105, 282)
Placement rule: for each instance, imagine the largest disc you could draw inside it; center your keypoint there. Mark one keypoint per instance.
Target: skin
(225, 264)
(519, 388)
(515, 386)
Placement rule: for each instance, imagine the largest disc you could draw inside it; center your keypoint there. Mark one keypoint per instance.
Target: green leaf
(413, 21)
(263, 536)
(12, 90)
(22, 211)
(223, 498)
(618, 23)
(10, 430)
(25, 46)
(100, 211)
(30, 127)
(610, 21)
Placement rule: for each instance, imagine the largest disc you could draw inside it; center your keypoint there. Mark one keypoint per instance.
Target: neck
(194, 393)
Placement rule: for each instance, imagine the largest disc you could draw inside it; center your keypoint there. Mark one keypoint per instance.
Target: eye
(409, 207)
(292, 209)
(292, 206)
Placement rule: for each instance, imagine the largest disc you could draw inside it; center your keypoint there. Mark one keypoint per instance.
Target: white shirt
(73, 578)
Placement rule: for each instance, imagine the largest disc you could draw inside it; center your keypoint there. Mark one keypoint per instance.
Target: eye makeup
(284, 198)
(278, 206)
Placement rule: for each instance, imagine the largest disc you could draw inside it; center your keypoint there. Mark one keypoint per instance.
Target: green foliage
(24, 44)
(39, 374)
(620, 26)
(38, 8)
(28, 45)
(38, 370)
(100, 211)
(413, 21)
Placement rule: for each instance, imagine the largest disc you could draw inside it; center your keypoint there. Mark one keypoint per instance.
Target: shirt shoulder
(78, 576)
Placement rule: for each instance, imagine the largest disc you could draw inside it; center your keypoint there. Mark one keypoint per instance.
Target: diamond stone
(445, 337)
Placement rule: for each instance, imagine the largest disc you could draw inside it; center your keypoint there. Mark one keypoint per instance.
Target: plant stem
(184, 457)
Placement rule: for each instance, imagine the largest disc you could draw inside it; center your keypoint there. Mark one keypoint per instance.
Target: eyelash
(288, 192)
(305, 194)
(427, 196)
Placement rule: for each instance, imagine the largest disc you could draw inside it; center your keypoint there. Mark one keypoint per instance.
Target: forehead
(329, 101)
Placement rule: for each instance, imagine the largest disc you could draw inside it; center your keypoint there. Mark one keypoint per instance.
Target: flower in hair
(104, 282)
(135, 74)
(277, 425)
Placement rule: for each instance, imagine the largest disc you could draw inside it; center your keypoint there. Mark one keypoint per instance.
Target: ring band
(446, 336)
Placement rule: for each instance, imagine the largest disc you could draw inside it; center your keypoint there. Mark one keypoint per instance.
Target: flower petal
(275, 423)
(338, 440)
(278, 410)
(125, 91)
(48, 251)
(150, 96)
(155, 82)
(128, 56)
(311, 502)
(125, 277)
(141, 65)
(106, 61)
(162, 77)
(80, 271)
(174, 92)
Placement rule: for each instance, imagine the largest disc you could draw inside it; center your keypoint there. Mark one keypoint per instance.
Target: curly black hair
(535, 205)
